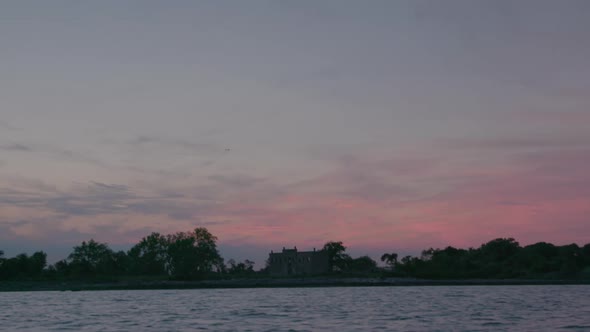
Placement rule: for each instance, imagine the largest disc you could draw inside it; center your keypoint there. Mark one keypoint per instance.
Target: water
(442, 308)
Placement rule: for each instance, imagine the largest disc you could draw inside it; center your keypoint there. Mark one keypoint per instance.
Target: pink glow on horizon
(529, 202)
(535, 197)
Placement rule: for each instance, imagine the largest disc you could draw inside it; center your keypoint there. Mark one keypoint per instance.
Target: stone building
(291, 262)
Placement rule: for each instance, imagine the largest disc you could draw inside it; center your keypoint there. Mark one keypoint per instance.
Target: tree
(192, 254)
(363, 264)
(409, 264)
(62, 268)
(570, 258)
(120, 263)
(90, 258)
(336, 255)
(390, 259)
(150, 255)
(207, 250)
(585, 254)
(37, 263)
(15, 267)
(242, 268)
(23, 266)
(497, 259)
(539, 258)
(500, 249)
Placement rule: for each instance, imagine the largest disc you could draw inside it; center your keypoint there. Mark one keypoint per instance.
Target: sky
(392, 126)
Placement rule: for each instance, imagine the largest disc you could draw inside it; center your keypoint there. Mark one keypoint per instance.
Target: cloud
(97, 198)
(237, 180)
(379, 204)
(153, 141)
(550, 111)
(16, 147)
(515, 143)
(51, 151)
(379, 180)
(7, 126)
(548, 194)
(534, 197)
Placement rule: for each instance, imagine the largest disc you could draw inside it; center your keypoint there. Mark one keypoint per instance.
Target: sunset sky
(388, 125)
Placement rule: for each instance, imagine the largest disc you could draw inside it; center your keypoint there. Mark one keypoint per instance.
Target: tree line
(501, 258)
(182, 255)
(194, 255)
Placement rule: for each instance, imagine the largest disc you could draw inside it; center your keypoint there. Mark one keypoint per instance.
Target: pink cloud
(535, 197)
(568, 117)
(383, 205)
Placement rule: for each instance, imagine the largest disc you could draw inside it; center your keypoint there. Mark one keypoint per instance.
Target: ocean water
(434, 308)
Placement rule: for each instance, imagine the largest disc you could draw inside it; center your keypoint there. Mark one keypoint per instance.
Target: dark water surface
(441, 308)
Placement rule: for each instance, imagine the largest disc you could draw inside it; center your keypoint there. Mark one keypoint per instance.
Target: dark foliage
(499, 259)
(240, 269)
(184, 255)
(149, 256)
(194, 255)
(337, 256)
(22, 267)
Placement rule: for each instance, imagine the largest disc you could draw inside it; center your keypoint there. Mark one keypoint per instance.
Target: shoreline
(15, 286)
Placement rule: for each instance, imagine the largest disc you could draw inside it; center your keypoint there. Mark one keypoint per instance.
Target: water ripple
(472, 308)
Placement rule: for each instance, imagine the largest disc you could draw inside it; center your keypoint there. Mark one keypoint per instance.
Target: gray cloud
(158, 172)
(377, 180)
(147, 141)
(7, 126)
(13, 197)
(96, 198)
(75, 156)
(514, 143)
(51, 151)
(16, 147)
(236, 181)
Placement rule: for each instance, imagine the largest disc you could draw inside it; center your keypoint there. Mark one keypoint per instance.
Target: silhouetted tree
(242, 268)
(336, 254)
(570, 259)
(121, 263)
(497, 258)
(585, 253)
(409, 265)
(62, 269)
(500, 258)
(192, 254)
(188, 255)
(500, 249)
(23, 266)
(92, 258)
(390, 259)
(539, 258)
(150, 255)
(363, 264)
(16, 267)
(440, 263)
(36, 264)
